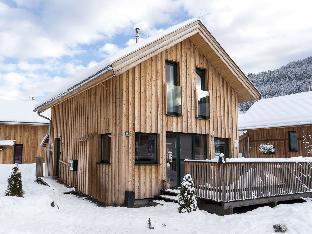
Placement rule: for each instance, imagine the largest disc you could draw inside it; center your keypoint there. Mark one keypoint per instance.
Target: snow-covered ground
(34, 214)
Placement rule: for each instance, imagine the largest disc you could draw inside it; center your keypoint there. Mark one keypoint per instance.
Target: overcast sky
(45, 43)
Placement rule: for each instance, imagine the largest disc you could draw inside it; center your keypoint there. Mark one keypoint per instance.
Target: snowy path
(33, 214)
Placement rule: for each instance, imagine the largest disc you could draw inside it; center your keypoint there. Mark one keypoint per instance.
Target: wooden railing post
(39, 167)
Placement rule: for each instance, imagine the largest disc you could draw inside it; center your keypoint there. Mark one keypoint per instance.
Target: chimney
(137, 34)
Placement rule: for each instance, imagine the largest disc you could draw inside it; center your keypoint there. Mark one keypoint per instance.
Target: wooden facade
(276, 136)
(27, 135)
(134, 102)
(129, 97)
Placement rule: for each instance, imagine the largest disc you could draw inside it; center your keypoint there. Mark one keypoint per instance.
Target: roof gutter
(48, 103)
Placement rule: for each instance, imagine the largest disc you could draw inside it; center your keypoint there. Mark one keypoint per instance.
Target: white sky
(43, 43)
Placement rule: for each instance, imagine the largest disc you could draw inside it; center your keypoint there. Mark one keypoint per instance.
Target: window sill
(173, 114)
(146, 163)
(103, 162)
(203, 117)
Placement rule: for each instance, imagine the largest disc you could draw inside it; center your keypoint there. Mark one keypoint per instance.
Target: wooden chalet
(21, 132)
(281, 122)
(123, 132)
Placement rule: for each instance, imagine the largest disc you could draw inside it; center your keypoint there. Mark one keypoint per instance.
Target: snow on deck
(20, 111)
(288, 110)
(33, 214)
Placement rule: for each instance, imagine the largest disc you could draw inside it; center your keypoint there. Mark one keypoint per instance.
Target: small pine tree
(187, 199)
(15, 186)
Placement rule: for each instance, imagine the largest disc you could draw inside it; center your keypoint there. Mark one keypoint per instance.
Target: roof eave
(89, 83)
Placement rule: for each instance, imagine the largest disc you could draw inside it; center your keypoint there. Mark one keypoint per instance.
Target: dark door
(171, 159)
(18, 154)
(222, 146)
(57, 155)
(180, 147)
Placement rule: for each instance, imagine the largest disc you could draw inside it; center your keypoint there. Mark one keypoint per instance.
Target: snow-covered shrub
(267, 148)
(307, 141)
(186, 198)
(15, 186)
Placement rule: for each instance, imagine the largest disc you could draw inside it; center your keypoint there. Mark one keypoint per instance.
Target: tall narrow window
(145, 148)
(202, 94)
(292, 141)
(174, 99)
(200, 147)
(105, 148)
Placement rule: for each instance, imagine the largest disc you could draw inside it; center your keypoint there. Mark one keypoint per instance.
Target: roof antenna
(137, 35)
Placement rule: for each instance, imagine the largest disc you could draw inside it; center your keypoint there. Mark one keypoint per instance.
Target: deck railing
(234, 181)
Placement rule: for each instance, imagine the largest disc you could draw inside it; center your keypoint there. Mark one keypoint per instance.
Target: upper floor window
(202, 94)
(292, 141)
(105, 148)
(173, 89)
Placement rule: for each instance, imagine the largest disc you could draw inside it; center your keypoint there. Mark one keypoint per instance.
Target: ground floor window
(292, 141)
(221, 147)
(145, 148)
(105, 148)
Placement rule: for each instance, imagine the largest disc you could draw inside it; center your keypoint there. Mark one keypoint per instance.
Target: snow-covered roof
(289, 110)
(7, 142)
(20, 111)
(146, 47)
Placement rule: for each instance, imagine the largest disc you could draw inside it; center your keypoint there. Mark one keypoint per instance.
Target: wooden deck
(235, 184)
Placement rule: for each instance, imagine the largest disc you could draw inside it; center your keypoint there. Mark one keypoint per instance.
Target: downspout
(49, 134)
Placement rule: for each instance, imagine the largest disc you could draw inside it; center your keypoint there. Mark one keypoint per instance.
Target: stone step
(170, 192)
(168, 198)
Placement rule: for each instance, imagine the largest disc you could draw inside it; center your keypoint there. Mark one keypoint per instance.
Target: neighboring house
(124, 131)
(21, 132)
(279, 121)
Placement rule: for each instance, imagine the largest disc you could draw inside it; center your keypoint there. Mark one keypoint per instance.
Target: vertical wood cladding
(135, 102)
(28, 135)
(278, 137)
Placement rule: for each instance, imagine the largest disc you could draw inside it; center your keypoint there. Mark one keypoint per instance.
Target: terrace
(221, 187)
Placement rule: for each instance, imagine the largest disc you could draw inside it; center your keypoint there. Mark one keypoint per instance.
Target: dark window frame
(227, 142)
(204, 71)
(177, 82)
(193, 145)
(103, 159)
(291, 147)
(205, 85)
(144, 162)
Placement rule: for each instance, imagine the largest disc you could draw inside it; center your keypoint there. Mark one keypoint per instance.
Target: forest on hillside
(295, 77)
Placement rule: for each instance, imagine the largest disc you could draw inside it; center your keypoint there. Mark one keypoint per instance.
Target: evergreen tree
(15, 186)
(187, 199)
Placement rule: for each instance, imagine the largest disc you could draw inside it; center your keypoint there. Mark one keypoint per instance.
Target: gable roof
(19, 112)
(289, 110)
(146, 48)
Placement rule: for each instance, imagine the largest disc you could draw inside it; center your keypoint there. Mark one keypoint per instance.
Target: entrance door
(57, 155)
(172, 157)
(18, 154)
(221, 146)
(180, 147)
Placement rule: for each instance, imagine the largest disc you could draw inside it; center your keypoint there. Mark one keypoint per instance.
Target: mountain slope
(295, 77)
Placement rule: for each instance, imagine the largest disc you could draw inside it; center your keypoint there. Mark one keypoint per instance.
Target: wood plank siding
(135, 102)
(278, 137)
(30, 136)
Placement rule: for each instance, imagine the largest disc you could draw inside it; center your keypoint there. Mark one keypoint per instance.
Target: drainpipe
(49, 134)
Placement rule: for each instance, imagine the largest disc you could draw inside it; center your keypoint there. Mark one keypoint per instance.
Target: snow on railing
(241, 179)
(246, 160)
